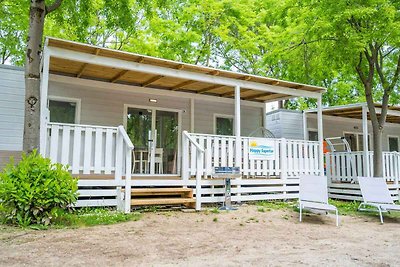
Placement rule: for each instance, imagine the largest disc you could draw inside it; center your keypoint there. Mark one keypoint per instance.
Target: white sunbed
(314, 195)
(375, 193)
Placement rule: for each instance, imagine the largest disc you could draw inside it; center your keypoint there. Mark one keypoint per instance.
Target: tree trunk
(377, 138)
(37, 14)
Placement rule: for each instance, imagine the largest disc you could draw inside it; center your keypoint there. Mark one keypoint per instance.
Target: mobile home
(123, 120)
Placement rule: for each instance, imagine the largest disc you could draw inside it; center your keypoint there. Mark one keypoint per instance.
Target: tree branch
(56, 4)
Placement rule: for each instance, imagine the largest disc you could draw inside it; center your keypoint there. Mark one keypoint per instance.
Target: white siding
(336, 126)
(285, 124)
(106, 108)
(12, 94)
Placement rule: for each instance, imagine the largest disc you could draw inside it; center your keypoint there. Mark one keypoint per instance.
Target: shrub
(35, 190)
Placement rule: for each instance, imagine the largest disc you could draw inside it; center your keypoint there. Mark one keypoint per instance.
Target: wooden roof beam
(185, 83)
(231, 93)
(182, 84)
(257, 96)
(118, 76)
(97, 51)
(152, 80)
(210, 88)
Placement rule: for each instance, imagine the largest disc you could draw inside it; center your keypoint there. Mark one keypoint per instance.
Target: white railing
(199, 150)
(89, 149)
(292, 157)
(346, 166)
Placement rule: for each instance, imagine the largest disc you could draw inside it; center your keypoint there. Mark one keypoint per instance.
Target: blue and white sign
(262, 149)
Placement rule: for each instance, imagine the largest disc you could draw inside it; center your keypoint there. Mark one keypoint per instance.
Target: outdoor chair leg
(337, 218)
(300, 213)
(380, 214)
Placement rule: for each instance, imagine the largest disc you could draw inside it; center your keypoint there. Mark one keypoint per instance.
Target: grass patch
(214, 210)
(350, 208)
(215, 219)
(93, 216)
(263, 205)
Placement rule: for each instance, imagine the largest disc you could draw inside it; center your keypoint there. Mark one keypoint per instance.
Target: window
(356, 141)
(224, 125)
(312, 135)
(393, 143)
(63, 111)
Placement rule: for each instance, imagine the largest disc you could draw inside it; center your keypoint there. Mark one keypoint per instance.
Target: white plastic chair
(375, 193)
(314, 195)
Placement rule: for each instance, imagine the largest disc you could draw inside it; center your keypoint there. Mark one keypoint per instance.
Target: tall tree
(37, 13)
(358, 39)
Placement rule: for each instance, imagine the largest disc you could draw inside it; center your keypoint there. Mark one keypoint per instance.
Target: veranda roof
(84, 63)
(354, 111)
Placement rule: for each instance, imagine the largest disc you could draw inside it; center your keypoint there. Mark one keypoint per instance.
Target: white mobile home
(126, 120)
(12, 95)
(352, 123)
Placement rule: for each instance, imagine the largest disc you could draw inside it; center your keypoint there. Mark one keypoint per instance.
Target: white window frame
(388, 143)
(77, 101)
(224, 116)
(311, 130)
(358, 134)
(153, 126)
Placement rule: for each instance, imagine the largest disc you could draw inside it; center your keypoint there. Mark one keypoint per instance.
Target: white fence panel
(85, 148)
(346, 166)
(301, 157)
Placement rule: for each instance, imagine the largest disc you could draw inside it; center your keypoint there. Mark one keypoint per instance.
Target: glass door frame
(153, 127)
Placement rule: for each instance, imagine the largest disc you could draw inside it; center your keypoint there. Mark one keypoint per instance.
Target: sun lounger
(376, 196)
(314, 195)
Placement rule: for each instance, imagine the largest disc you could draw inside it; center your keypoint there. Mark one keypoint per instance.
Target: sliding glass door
(155, 135)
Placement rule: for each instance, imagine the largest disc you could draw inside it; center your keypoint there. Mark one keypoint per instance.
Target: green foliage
(315, 42)
(35, 191)
(93, 216)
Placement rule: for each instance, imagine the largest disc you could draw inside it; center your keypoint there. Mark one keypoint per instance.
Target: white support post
(320, 135)
(238, 147)
(264, 116)
(305, 126)
(365, 140)
(185, 159)
(283, 163)
(192, 115)
(199, 164)
(128, 174)
(118, 169)
(44, 88)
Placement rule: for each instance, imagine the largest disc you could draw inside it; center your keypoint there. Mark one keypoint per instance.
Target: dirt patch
(242, 237)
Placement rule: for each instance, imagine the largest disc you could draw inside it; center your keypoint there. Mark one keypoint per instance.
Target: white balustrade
(90, 149)
(301, 157)
(346, 166)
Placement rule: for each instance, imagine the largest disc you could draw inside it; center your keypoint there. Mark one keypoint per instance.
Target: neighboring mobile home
(351, 122)
(180, 120)
(12, 95)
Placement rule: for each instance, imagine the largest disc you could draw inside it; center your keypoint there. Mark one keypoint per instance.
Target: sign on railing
(262, 149)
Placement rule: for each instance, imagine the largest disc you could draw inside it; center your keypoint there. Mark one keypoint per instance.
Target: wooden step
(162, 201)
(161, 191)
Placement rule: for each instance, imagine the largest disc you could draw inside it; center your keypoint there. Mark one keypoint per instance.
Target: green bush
(35, 190)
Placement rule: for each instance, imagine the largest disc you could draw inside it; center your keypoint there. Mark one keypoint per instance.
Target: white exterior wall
(205, 112)
(336, 126)
(286, 124)
(105, 107)
(12, 94)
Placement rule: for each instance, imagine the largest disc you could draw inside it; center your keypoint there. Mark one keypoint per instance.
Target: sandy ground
(242, 237)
